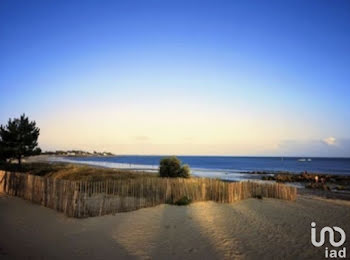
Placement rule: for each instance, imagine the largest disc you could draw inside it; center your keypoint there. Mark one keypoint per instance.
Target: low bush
(172, 167)
(183, 201)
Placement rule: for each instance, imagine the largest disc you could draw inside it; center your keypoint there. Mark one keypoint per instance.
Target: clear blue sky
(233, 77)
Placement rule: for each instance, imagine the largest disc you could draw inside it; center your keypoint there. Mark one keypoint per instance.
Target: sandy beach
(247, 229)
(174, 130)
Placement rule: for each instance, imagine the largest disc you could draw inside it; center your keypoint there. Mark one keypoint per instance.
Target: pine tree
(19, 138)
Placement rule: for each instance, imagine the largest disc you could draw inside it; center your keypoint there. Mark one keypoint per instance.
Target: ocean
(224, 167)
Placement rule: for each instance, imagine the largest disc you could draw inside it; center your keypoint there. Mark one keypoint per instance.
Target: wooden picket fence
(87, 199)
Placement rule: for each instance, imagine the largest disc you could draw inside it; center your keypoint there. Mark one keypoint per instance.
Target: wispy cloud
(330, 140)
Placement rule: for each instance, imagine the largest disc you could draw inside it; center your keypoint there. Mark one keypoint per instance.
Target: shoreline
(258, 175)
(264, 176)
(71, 159)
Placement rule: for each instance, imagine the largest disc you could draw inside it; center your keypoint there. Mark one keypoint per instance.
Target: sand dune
(247, 229)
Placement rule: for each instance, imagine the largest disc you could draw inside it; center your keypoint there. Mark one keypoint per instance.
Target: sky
(180, 77)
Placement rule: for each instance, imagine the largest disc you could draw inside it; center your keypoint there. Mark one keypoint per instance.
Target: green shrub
(183, 201)
(172, 167)
(185, 171)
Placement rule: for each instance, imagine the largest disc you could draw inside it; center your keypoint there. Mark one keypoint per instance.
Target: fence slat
(87, 199)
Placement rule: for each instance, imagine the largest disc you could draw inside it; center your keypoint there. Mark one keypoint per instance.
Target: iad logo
(334, 253)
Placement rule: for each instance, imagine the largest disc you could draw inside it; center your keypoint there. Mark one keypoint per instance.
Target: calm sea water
(229, 168)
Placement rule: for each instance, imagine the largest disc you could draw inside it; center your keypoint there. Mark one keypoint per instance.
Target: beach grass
(74, 172)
